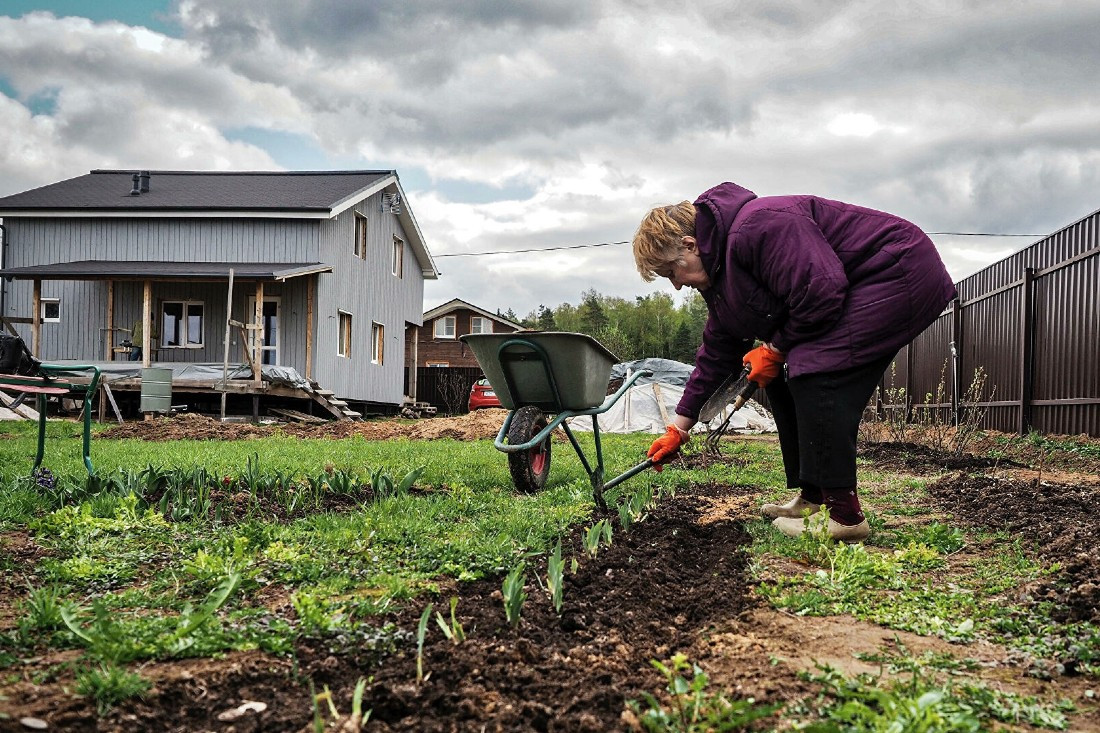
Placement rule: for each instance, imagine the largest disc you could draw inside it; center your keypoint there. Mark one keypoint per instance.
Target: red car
(482, 395)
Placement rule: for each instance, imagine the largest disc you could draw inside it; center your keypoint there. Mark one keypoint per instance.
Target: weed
(693, 709)
(43, 609)
(109, 684)
(919, 703)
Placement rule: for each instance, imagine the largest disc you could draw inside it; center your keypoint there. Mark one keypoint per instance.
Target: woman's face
(688, 270)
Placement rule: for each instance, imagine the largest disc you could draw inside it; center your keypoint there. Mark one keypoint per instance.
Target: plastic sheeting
(665, 371)
(648, 408)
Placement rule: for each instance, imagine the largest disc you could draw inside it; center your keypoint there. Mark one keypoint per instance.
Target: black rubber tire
(529, 468)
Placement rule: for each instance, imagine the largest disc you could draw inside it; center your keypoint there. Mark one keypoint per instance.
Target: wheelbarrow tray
(554, 371)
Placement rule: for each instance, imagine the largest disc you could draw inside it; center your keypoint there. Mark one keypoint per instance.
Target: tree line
(647, 326)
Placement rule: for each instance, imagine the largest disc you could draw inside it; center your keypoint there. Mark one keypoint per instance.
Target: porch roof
(151, 270)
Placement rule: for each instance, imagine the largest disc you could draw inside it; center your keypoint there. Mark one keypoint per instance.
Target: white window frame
(184, 334)
(359, 246)
(42, 312)
(377, 343)
(398, 263)
(485, 323)
(445, 321)
(434, 364)
(343, 333)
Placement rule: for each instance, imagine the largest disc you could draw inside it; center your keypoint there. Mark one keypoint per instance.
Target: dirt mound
(479, 425)
(1059, 518)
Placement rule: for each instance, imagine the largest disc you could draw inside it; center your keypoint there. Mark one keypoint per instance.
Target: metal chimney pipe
(136, 190)
(145, 181)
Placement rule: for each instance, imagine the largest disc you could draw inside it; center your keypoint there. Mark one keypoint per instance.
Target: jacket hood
(715, 210)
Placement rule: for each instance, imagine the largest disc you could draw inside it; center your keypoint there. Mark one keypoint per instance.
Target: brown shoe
(792, 508)
(840, 532)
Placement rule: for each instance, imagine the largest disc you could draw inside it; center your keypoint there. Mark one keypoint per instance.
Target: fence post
(956, 357)
(1027, 349)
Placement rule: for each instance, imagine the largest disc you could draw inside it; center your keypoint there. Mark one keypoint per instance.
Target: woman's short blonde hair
(657, 243)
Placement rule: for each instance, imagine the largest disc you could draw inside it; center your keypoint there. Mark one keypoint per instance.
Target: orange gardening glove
(764, 365)
(666, 446)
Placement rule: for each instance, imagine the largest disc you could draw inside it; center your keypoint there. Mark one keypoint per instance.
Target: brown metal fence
(1031, 322)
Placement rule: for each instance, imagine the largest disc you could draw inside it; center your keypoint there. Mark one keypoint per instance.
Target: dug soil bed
(1058, 519)
(923, 460)
(647, 596)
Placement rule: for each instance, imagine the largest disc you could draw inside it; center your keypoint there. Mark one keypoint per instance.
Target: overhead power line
(533, 249)
(558, 248)
(981, 234)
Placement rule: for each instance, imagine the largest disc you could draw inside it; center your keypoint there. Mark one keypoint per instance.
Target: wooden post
(311, 295)
(147, 324)
(414, 368)
(225, 350)
(258, 334)
(110, 333)
(1027, 349)
(36, 319)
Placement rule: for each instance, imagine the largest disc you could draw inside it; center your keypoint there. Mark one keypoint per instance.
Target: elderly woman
(831, 291)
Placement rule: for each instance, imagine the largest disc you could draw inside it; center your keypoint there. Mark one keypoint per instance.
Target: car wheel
(530, 467)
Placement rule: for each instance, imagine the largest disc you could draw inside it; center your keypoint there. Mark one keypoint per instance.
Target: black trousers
(817, 416)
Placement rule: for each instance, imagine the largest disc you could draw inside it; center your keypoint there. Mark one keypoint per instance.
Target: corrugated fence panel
(1032, 323)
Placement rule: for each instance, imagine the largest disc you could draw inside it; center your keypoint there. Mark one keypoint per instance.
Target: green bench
(54, 379)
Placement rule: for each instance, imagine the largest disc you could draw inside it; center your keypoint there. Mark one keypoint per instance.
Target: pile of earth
(479, 425)
(1058, 518)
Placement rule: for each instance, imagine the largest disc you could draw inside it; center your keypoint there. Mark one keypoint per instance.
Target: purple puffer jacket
(833, 285)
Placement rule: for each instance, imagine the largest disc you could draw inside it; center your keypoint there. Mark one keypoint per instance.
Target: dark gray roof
(131, 270)
(198, 190)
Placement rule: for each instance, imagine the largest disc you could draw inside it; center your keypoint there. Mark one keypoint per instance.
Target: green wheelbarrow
(544, 378)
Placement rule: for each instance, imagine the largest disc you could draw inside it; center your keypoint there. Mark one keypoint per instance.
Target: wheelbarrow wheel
(530, 467)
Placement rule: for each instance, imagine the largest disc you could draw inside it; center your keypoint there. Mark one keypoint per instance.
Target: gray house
(328, 269)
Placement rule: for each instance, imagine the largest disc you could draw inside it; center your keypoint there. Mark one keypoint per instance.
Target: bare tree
(453, 388)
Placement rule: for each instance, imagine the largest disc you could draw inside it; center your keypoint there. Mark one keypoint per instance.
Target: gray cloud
(979, 116)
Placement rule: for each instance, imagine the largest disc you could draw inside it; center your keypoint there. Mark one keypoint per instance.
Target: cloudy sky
(519, 124)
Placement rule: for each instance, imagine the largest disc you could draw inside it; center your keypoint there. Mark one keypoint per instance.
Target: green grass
(121, 583)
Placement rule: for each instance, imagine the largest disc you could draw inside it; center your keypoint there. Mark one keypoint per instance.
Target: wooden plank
(23, 411)
(34, 388)
(147, 324)
(225, 350)
(297, 416)
(36, 319)
(258, 336)
(311, 295)
(109, 353)
(111, 398)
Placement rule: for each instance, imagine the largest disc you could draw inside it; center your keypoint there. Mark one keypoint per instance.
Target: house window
(51, 310)
(437, 364)
(343, 340)
(181, 324)
(360, 247)
(378, 342)
(398, 256)
(479, 324)
(445, 327)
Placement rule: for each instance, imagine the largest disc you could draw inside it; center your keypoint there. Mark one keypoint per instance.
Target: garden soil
(677, 582)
